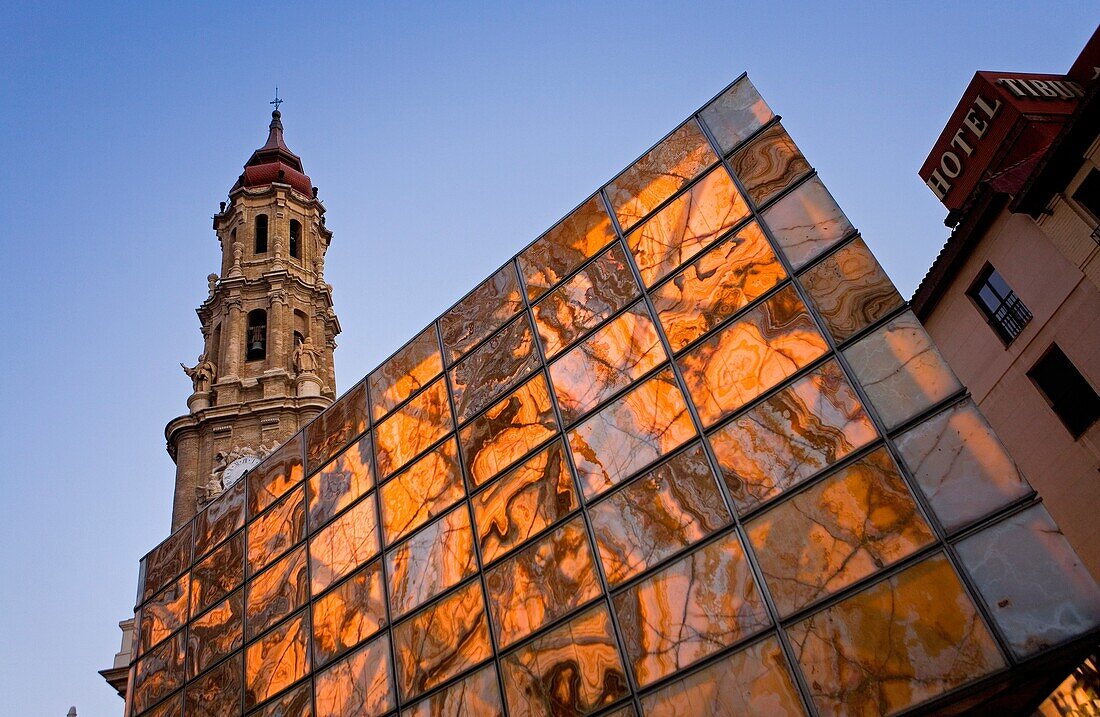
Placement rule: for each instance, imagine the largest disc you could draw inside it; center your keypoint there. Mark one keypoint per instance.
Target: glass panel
(850, 290)
(493, 367)
(277, 592)
(164, 614)
(574, 669)
(335, 426)
(482, 312)
(900, 370)
(593, 294)
(274, 532)
(424, 490)
(218, 574)
(343, 545)
(1037, 589)
(478, 694)
(806, 222)
(630, 433)
(218, 692)
(405, 373)
(441, 641)
(431, 561)
(358, 685)
(769, 164)
(508, 430)
(894, 645)
(296, 703)
(658, 514)
(415, 426)
(736, 114)
(352, 612)
(524, 501)
(277, 660)
(849, 526)
(158, 673)
(660, 173)
(560, 250)
(745, 359)
(166, 561)
(687, 225)
(784, 440)
(690, 609)
(215, 634)
(542, 582)
(605, 362)
(961, 466)
(337, 485)
(717, 285)
(220, 519)
(172, 707)
(754, 681)
(278, 473)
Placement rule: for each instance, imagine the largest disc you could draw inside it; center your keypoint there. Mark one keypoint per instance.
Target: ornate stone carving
(212, 283)
(202, 374)
(305, 357)
(215, 484)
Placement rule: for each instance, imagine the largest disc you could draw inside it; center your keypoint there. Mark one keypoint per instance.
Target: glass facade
(688, 453)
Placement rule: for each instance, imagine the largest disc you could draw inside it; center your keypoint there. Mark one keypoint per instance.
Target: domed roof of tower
(274, 162)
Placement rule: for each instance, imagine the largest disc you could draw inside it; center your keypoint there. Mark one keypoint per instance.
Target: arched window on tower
(256, 341)
(261, 234)
(295, 239)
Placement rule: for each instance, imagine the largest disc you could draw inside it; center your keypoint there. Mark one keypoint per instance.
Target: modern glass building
(687, 453)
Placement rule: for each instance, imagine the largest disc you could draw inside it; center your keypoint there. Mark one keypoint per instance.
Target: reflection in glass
(217, 574)
(164, 614)
(405, 373)
(806, 222)
(360, 684)
(481, 312)
(343, 545)
(277, 660)
(278, 591)
(215, 634)
(338, 484)
(158, 673)
(736, 114)
(298, 702)
(335, 426)
(274, 532)
(561, 249)
(412, 428)
(422, 491)
(493, 367)
(349, 614)
(431, 561)
(166, 561)
(277, 474)
(218, 692)
(478, 694)
(768, 164)
(221, 518)
(850, 290)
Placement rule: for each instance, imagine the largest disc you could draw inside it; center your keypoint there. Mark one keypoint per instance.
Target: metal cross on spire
(276, 101)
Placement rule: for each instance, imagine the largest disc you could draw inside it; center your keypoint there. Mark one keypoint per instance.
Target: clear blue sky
(442, 138)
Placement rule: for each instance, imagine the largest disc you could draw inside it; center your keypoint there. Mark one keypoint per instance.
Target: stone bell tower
(268, 326)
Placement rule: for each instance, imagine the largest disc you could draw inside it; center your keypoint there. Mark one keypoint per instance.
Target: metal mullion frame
(750, 556)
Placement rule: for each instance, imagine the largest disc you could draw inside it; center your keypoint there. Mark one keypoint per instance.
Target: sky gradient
(443, 139)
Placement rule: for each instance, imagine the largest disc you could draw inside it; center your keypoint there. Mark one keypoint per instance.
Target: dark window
(295, 239)
(1088, 194)
(261, 234)
(1068, 392)
(1002, 308)
(256, 343)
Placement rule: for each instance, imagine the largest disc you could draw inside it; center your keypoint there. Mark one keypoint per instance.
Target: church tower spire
(268, 326)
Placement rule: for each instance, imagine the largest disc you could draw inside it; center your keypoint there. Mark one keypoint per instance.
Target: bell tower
(268, 329)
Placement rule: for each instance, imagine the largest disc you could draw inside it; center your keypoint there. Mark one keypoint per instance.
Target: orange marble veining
(349, 614)
(217, 574)
(736, 114)
(493, 367)
(343, 545)
(406, 372)
(431, 561)
(164, 614)
(218, 692)
(560, 250)
(769, 164)
(297, 702)
(215, 634)
(278, 473)
(276, 530)
(478, 694)
(158, 673)
(806, 222)
(277, 660)
(422, 491)
(221, 518)
(481, 312)
(412, 428)
(338, 424)
(360, 684)
(166, 561)
(276, 592)
(340, 483)
(850, 290)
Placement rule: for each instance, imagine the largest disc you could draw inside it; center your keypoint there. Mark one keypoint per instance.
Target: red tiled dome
(274, 162)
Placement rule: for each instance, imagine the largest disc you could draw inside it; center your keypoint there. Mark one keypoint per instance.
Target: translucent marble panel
(901, 370)
(278, 473)
(522, 502)
(478, 694)
(606, 362)
(574, 669)
(217, 574)
(406, 372)
(542, 582)
(218, 692)
(431, 561)
(221, 518)
(736, 114)
(960, 465)
(580, 304)
(754, 681)
(481, 312)
(349, 614)
(894, 645)
(277, 660)
(215, 634)
(686, 225)
(421, 492)
(758, 351)
(629, 433)
(336, 426)
(416, 425)
(850, 290)
(164, 614)
(340, 483)
(343, 545)
(661, 512)
(158, 673)
(360, 684)
(508, 430)
(276, 592)
(1038, 590)
(851, 525)
(171, 707)
(165, 562)
(690, 609)
(441, 641)
(769, 164)
(493, 367)
(274, 532)
(564, 247)
(298, 702)
(806, 222)
(718, 284)
(779, 443)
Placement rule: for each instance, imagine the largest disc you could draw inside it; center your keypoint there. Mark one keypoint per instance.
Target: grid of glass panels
(687, 453)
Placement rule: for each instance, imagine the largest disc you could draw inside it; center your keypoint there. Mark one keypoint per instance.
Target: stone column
(185, 501)
(278, 353)
(232, 333)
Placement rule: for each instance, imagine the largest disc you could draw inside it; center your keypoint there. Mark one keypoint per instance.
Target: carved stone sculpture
(201, 374)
